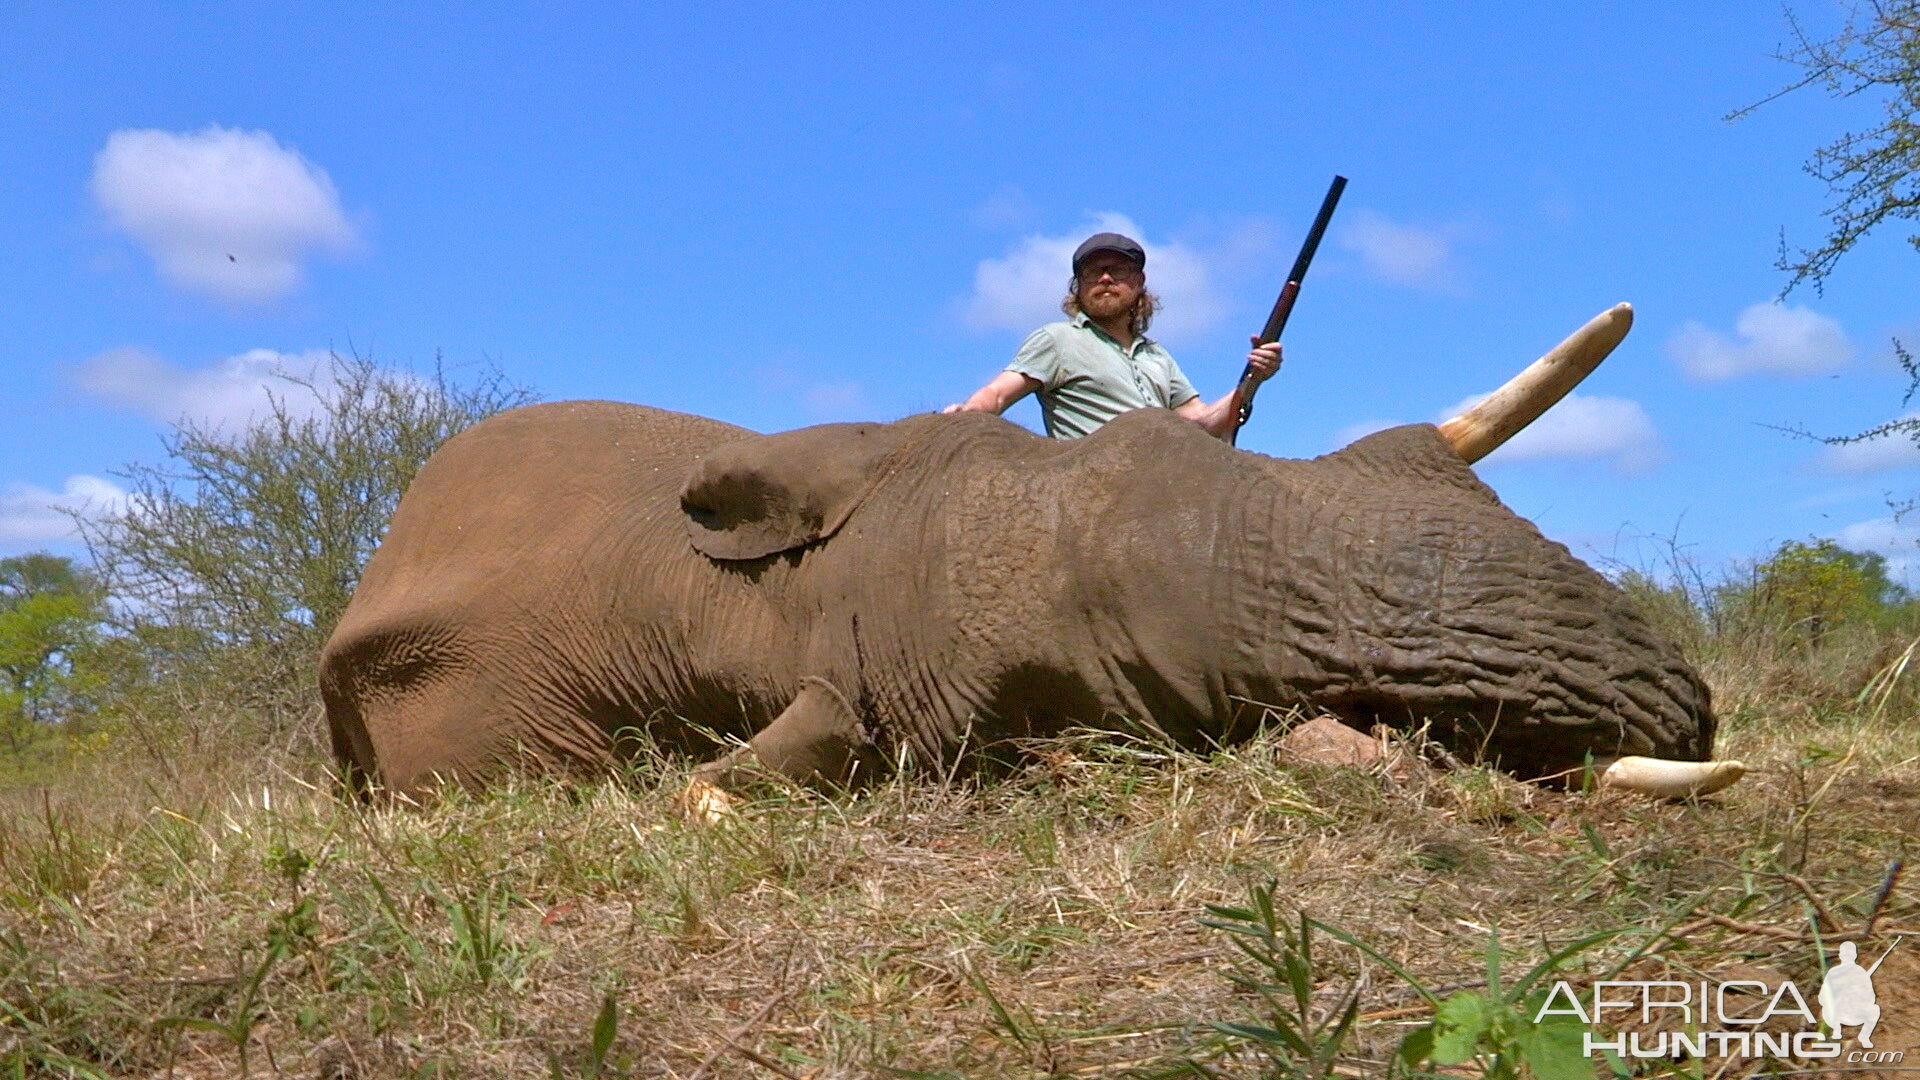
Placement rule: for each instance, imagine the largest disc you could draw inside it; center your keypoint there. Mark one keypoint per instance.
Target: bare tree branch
(1874, 173)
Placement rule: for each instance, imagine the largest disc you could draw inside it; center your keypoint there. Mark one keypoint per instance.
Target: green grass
(1046, 924)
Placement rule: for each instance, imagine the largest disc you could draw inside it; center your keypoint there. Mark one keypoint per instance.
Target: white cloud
(1582, 428)
(30, 514)
(1360, 429)
(1414, 255)
(1897, 539)
(1767, 338)
(229, 395)
(1006, 208)
(1022, 289)
(791, 377)
(225, 213)
(834, 401)
(1895, 450)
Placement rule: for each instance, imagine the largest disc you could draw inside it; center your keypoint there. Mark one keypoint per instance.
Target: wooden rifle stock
(1283, 307)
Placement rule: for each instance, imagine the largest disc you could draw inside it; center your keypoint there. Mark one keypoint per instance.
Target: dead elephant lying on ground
(834, 595)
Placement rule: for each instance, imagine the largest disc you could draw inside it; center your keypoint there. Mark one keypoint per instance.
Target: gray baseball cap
(1110, 241)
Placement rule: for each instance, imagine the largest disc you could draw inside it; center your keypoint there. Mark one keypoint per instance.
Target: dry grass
(1040, 925)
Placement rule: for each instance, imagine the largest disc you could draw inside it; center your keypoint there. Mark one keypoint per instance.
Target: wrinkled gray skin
(563, 571)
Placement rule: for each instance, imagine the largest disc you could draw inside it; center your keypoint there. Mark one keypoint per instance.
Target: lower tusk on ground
(1666, 779)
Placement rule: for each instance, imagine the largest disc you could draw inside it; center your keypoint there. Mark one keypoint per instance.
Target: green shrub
(1806, 590)
(1812, 629)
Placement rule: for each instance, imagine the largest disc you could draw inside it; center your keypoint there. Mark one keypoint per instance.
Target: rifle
(1884, 955)
(1283, 307)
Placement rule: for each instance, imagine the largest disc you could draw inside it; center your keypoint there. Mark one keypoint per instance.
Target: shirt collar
(1081, 319)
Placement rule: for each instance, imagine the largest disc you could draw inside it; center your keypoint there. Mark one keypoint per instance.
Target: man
(1100, 363)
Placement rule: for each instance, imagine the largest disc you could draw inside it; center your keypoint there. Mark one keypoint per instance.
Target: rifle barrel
(1283, 306)
(1884, 955)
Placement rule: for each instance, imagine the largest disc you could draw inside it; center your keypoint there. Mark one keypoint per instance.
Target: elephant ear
(772, 493)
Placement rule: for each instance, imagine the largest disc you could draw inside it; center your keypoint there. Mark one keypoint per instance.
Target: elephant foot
(817, 739)
(704, 803)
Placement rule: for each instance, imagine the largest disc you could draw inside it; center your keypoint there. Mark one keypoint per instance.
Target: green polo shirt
(1087, 379)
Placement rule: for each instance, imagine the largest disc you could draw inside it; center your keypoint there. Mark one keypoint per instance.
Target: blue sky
(784, 217)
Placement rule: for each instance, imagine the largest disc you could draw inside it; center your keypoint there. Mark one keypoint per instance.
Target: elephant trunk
(1389, 585)
(1557, 667)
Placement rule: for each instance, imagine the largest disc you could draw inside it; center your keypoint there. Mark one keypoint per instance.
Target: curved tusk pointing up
(1480, 430)
(1671, 779)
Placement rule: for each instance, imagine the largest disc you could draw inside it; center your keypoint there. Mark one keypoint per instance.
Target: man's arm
(1217, 419)
(1005, 389)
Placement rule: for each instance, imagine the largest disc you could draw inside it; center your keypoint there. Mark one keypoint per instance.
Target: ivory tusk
(1666, 779)
(1480, 430)
(704, 802)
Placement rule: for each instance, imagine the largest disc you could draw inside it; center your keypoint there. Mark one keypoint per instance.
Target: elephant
(833, 600)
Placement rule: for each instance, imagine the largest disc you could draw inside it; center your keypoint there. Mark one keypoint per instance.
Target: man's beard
(1102, 305)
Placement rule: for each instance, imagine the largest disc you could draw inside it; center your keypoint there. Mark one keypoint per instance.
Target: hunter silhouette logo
(1715, 1019)
(1846, 994)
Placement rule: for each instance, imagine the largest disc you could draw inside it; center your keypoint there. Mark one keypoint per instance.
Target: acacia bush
(233, 558)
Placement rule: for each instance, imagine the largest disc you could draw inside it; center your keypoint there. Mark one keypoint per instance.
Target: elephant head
(836, 595)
